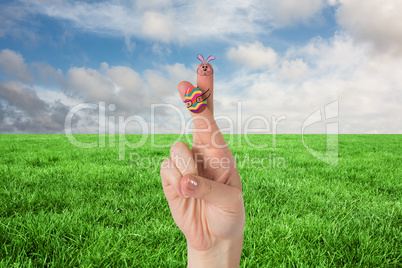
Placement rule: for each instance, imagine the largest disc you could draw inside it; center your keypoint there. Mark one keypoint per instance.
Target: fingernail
(184, 195)
(191, 183)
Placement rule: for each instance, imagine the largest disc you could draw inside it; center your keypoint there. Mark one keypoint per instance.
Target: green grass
(62, 206)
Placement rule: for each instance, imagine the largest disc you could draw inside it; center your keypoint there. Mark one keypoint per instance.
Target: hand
(204, 192)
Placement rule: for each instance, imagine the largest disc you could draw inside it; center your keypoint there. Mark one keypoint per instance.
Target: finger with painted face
(205, 80)
(199, 101)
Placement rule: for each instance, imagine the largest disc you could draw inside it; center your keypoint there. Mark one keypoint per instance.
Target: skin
(205, 81)
(211, 215)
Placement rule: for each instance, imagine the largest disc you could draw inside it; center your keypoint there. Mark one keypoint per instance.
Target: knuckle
(175, 147)
(207, 187)
(204, 123)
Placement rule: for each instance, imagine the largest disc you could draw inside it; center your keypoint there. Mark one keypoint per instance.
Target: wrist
(225, 253)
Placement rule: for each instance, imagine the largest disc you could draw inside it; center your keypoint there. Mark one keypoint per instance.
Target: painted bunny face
(205, 69)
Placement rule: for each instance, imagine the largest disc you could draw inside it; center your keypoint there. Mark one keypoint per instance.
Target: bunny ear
(210, 58)
(200, 57)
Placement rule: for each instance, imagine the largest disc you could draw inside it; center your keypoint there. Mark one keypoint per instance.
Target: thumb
(218, 194)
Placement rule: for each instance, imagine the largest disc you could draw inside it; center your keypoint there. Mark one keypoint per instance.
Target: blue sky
(285, 58)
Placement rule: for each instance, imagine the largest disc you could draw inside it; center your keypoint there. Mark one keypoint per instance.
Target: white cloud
(131, 93)
(292, 70)
(372, 20)
(158, 26)
(295, 83)
(38, 108)
(221, 20)
(152, 4)
(50, 95)
(22, 97)
(26, 112)
(124, 77)
(182, 22)
(367, 87)
(254, 56)
(289, 12)
(157, 20)
(102, 18)
(46, 73)
(164, 80)
(90, 83)
(14, 65)
(118, 85)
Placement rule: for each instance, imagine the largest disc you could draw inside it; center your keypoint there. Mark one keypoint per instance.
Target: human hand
(203, 188)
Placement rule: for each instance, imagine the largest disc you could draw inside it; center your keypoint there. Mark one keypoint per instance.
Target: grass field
(63, 206)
